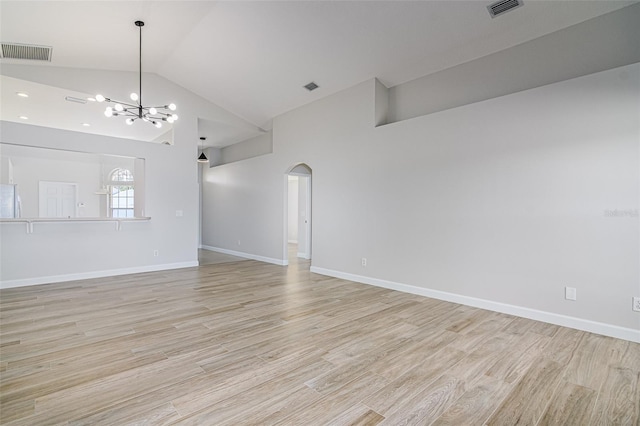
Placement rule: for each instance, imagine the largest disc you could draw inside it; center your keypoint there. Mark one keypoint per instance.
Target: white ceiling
(21, 153)
(47, 106)
(252, 58)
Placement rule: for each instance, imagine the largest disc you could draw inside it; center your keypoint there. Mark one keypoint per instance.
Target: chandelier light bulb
(118, 107)
(100, 98)
(158, 124)
(172, 107)
(108, 112)
(153, 111)
(175, 117)
(170, 119)
(134, 96)
(129, 121)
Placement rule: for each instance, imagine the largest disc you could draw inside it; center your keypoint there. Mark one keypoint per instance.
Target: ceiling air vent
(500, 7)
(26, 51)
(76, 100)
(311, 86)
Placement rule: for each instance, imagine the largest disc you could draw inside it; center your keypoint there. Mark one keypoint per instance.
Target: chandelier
(132, 112)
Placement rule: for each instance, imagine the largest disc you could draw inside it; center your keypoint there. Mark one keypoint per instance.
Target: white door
(57, 199)
(304, 217)
(301, 173)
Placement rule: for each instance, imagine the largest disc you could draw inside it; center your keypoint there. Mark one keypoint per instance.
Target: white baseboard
(279, 262)
(630, 334)
(95, 274)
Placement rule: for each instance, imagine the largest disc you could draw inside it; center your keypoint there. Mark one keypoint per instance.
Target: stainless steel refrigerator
(9, 201)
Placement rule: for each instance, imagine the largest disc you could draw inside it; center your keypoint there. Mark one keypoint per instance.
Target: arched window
(121, 193)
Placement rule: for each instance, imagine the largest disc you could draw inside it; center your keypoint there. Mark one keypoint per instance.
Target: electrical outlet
(156, 253)
(570, 293)
(636, 304)
(364, 261)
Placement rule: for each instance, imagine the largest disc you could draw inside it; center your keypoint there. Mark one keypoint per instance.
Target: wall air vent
(26, 51)
(311, 86)
(503, 6)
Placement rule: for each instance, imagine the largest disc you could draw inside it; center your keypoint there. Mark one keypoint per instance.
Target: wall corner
(381, 107)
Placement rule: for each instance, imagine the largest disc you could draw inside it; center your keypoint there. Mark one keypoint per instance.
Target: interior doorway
(298, 213)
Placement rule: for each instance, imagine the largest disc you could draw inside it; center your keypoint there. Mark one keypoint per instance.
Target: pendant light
(202, 158)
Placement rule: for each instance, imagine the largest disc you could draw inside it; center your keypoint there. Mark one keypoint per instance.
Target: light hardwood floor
(248, 343)
(207, 257)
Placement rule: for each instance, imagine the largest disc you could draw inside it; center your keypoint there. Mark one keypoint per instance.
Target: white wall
(598, 44)
(56, 252)
(89, 172)
(254, 147)
(6, 170)
(502, 201)
(64, 250)
(28, 172)
(243, 210)
(293, 210)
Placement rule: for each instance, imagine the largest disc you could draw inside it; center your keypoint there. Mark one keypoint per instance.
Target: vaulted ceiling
(252, 58)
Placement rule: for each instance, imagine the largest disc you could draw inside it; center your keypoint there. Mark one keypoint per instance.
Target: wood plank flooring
(248, 343)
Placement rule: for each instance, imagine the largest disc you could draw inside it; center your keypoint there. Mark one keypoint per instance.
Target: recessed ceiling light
(86, 124)
(23, 117)
(22, 94)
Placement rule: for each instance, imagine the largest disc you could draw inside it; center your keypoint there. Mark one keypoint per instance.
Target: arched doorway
(297, 212)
